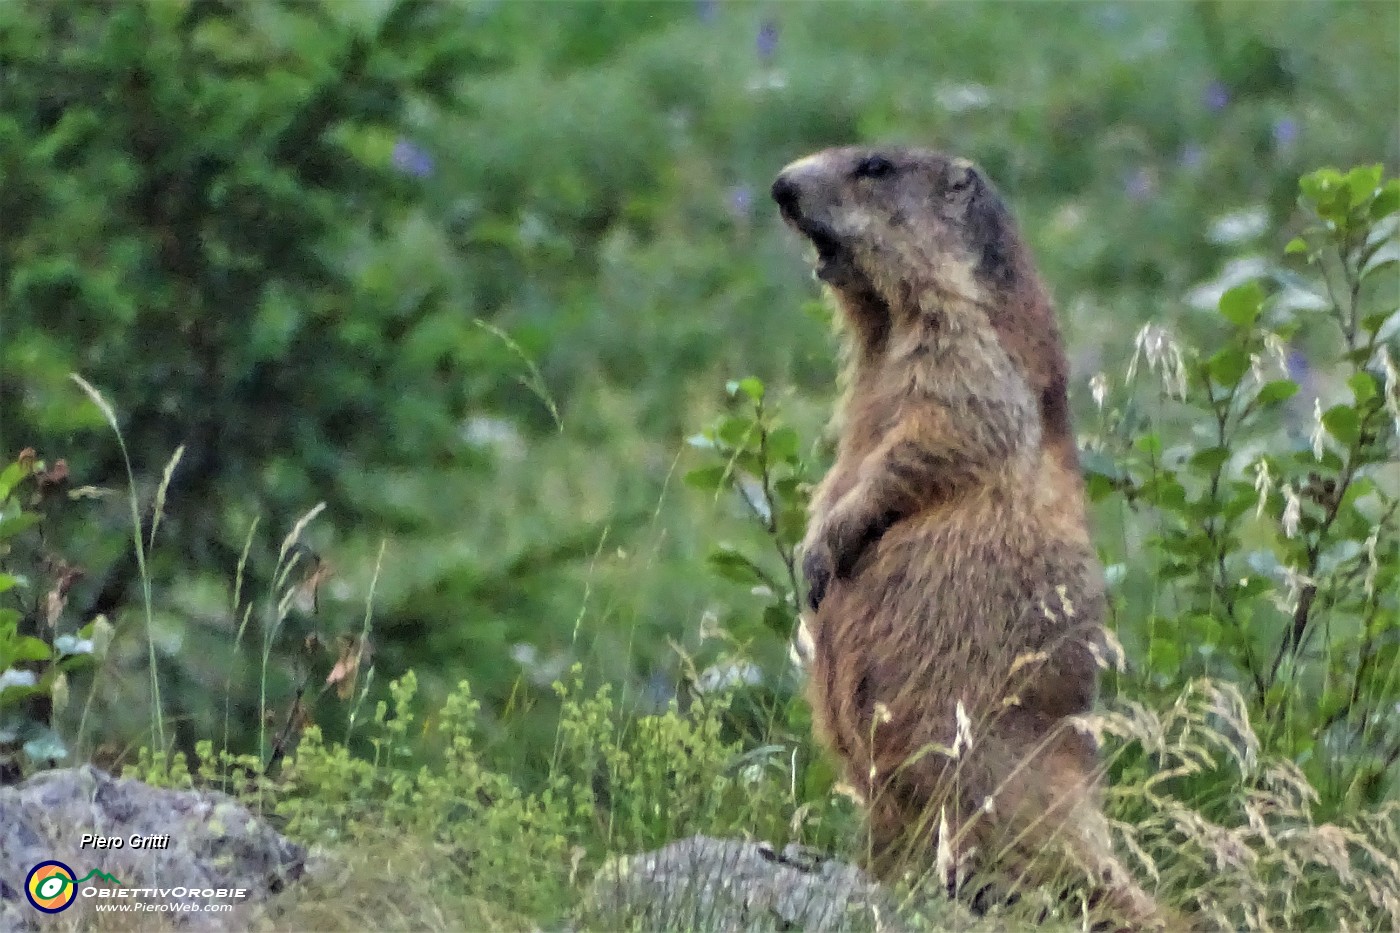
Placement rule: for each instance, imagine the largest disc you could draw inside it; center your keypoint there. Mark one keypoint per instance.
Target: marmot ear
(959, 178)
(989, 232)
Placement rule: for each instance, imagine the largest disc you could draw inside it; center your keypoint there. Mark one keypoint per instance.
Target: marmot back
(956, 602)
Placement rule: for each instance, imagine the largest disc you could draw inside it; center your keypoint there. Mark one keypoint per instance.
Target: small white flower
(1295, 582)
(1098, 388)
(1262, 483)
(17, 678)
(709, 626)
(1155, 345)
(1370, 582)
(1274, 346)
(1318, 432)
(1392, 386)
(728, 675)
(1292, 511)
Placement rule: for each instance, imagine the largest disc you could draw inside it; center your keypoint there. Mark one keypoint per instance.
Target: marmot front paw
(818, 567)
(832, 549)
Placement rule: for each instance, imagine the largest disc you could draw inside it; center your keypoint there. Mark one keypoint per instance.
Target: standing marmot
(956, 600)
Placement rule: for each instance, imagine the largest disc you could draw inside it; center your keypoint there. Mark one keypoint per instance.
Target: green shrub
(1260, 489)
(39, 647)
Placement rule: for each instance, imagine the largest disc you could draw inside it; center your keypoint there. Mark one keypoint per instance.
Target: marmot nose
(785, 193)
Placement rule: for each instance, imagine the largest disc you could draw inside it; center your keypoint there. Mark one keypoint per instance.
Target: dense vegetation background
(471, 273)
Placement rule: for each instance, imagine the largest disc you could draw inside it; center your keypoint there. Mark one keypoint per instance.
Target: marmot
(955, 601)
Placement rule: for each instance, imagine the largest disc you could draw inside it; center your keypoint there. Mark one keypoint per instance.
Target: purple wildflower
(1216, 97)
(741, 199)
(767, 41)
(1139, 184)
(1285, 132)
(1297, 366)
(412, 160)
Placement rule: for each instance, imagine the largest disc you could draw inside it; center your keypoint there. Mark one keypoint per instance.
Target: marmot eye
(874, 167)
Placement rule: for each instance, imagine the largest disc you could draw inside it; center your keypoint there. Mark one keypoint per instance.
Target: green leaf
(1387, 202)
(735, 431)
(7, 582)
(710, 478)
(1271, 393)
(1362, 183)
(1241, 305)
(9, 477)
(1319, 185)
(751, 386)
(1228, 366)
(732, 565)
(28, 648)
(1164, 657)
(1359, 487)
(1342, 422)
(782, 444)
(16, 524)
(792, 522)
(1204, 631)
(1210, 459)
(1096, 462)
(1295, 245)
(1363, 386)
(779, 620)
(1149, 444)
(1098, 488)
(1164, 492)
(788, 488)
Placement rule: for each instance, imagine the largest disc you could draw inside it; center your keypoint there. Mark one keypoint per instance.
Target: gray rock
(724, 884)
(211, 842)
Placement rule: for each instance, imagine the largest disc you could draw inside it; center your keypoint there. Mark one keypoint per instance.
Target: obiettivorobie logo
(52, 886)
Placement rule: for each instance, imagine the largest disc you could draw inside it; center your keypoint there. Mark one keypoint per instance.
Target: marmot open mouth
(832, 256)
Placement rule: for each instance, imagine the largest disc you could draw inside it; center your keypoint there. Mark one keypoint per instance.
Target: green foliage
(39, 648)
(618, 782)
(1273, 551)
(756, 460)
(1217, 825)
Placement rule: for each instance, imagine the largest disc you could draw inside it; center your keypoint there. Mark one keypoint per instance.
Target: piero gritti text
(134, 841)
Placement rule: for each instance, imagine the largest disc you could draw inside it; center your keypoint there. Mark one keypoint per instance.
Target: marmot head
(912, 237)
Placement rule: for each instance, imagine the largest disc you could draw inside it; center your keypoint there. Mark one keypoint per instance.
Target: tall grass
(140, 547)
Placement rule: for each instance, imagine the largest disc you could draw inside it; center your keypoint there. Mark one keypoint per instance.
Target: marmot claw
(818, 568)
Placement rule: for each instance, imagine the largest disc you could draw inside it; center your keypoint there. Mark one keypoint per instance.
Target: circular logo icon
(50, 887)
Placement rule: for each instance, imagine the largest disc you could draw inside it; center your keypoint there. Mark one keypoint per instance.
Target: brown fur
(948, 559)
